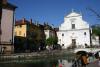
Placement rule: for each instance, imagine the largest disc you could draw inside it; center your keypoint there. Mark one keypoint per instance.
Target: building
(31, 35)
(7, 24)
(95, 35)
(49, 31)
(50, 36)
(74, 32)
(95, 41)
(21, 27)
(24, 31)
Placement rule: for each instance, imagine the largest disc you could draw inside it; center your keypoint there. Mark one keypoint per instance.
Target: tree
(92, 10)
(96, 30)
(51, 41)
(19, 44)
(37, 36)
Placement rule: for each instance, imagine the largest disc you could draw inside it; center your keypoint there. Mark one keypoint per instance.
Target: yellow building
(28, 36)
(21, 27)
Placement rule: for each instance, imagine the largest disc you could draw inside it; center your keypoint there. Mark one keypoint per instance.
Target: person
(84, 60)
(91, 57)
(99, 58)
(60, 63)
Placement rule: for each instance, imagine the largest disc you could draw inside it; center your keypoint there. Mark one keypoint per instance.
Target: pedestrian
(60, 63)
(99, 58)
(84, 60)
(91, 57)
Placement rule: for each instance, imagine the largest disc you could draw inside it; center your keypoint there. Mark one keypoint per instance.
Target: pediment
(73, 14)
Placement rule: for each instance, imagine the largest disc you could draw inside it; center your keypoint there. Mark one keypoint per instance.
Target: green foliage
(35, 38)
(19, 44)
(51, 41)
(39, 35)
(96, 30)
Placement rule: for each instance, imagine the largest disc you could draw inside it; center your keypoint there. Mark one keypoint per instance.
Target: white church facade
(74, 31)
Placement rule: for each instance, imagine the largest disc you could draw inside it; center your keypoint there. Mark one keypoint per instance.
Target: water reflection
(41, 63)
(64, 63)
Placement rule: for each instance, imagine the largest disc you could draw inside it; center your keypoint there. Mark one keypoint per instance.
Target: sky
(53, 11)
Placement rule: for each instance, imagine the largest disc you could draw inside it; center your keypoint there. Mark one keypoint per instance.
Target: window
(17, 26)
(20, 25)
(84, 33)
(59, 39)
(62, 44)
(73, 26)
(19, 32)
(24, 34)
(62, 34)
(15, 33)
(74, 41)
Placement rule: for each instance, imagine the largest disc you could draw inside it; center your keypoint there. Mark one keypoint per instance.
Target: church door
(73, 43)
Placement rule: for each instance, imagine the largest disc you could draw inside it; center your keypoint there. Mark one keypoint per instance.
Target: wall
(68, 33)
(6, 26)
(21, 29)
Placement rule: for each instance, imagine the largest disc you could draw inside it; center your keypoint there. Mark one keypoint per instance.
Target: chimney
(30, 21)
(4, 1)
(23, 20)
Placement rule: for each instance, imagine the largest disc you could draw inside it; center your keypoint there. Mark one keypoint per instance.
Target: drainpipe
(13, 24)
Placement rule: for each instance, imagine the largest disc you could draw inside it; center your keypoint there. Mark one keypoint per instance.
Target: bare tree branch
(97, 14)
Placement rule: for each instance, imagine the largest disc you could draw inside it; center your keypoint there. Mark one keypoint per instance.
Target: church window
(73, 26)
(62, 34)
(62, 44)
(84, 33)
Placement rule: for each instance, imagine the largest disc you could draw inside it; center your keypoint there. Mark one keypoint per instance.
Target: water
(57, 59)
(48, 62)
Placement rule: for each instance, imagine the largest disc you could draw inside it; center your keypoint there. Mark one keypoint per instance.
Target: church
(74, 32)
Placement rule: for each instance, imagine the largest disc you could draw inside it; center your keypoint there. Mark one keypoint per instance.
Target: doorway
(74, 43)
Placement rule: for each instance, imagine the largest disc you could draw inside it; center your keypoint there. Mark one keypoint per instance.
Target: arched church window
(62, 44)
(62, 34)
(84, 33)
(73, 26)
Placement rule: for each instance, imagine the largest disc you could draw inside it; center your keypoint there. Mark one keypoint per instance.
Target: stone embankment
(36, 55)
